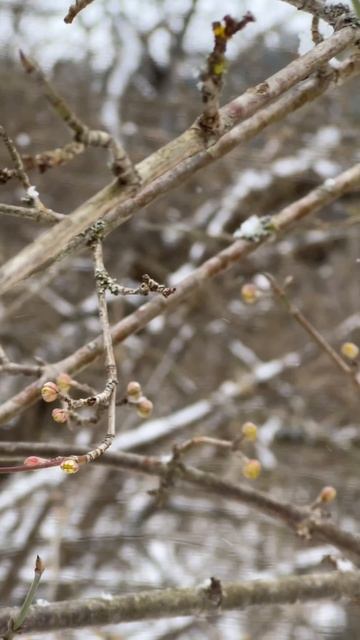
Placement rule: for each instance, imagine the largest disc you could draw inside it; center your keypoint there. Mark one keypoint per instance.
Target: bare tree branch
(313, 201)
(179, 159)
(211, 597)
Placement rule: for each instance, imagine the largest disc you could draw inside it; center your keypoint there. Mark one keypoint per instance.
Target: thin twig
(212, 76)
(75, 8)
(314, 334)
(15, 622)
(46, 216)
(121, 165)
(292, 516)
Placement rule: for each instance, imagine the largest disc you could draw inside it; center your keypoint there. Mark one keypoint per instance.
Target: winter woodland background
(212, 363)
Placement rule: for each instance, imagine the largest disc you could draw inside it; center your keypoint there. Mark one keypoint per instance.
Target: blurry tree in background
(179, 388)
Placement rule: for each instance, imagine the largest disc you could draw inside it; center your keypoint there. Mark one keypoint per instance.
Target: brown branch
(300, 519)
(179, 159)
(53, 158)
(221, 262)
(31, 213)
(337, 15)
(32, 196)
(75, 8)
(314, 334)
(208, 598)
(121, 165)
(212, 77)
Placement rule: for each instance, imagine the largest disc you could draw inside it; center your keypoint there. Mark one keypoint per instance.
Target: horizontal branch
(289, 514)
(211, 597)
(178, 160)
(31, 213)
(336, 14)
(221, 262)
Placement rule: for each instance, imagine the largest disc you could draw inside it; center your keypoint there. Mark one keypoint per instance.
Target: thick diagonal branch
(179, 159)
(221, 262)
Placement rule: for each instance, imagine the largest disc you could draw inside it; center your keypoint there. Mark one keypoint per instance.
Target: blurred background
(132, 67)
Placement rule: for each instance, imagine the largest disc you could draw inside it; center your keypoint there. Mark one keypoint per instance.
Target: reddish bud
(32, 461)
(327, 494)
(60, 415)
(49, 392)
(63, 381)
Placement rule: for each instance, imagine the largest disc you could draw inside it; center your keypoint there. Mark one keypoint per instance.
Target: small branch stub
(211, 79)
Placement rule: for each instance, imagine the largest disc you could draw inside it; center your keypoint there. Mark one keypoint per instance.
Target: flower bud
(251, 469)
(70, 466)
(60, 415)
(63, 381)
(49, 392)
(144, 407)
(327, 494)
(350, 350)
(249, 293)
(134, 391)
(32, 461)
(249, 431)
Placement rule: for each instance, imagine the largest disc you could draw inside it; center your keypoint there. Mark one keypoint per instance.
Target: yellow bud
(63, 381)
(144, 407)
(218, 30)
(70, 466)
(49, 392)
(249, 431)
(328, 494)
(251, 469)
(218, 68)
(249, 293)
(350, 350)
(60, 415)
(134, 391)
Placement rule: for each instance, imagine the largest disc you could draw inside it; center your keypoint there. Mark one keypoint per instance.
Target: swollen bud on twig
(32, 461)
(249, 431)
(249, 293)
(327, 494)
(144, 407)
(60, 415)
(350, 350)
(70, 466)
(251, 469)
(49, 392)
(134, 391)
(63, 382)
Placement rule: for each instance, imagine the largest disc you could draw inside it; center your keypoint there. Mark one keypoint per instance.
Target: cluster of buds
(51, 391)
(134, 395)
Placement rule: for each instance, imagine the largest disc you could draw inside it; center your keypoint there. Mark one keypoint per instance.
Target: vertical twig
(15, 623)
